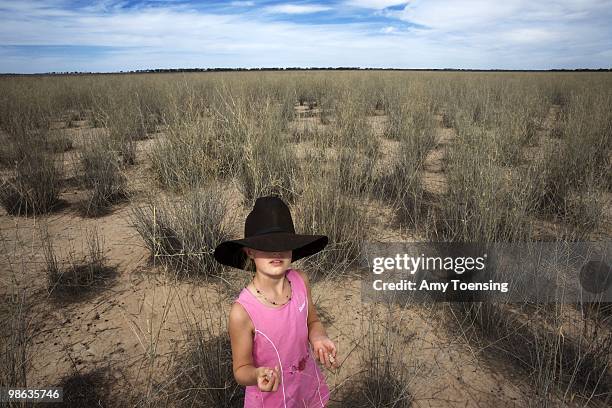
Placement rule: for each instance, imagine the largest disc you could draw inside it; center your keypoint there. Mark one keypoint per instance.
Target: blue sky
(111, 35)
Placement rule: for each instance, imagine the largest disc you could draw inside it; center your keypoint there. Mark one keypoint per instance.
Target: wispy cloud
(296, 8)
(375, 4)
(242, 3)
(57, 35)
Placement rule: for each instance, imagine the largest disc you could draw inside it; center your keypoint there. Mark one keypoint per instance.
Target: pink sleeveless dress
(281, 338)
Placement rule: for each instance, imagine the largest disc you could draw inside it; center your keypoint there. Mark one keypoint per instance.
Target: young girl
(273, 324)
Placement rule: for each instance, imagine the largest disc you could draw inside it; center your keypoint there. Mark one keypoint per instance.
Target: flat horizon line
(225, 69)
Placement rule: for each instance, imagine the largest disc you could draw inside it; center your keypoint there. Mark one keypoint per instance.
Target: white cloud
(532, 35)
(452, 15)
(375, 4)
(296, 8)
(475, 14)
(516, 34)
(242, 3)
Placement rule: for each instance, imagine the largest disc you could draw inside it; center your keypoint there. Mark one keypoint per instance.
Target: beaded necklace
(271, 301)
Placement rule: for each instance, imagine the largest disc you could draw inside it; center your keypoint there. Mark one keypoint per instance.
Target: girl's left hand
(325, 350)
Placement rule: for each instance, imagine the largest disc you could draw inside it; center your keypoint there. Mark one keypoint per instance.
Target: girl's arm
(241, 335)
(241, 338)
(324, 348)
(315, 327)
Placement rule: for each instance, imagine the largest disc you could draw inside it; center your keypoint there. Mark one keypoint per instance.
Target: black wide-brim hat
(269, 227)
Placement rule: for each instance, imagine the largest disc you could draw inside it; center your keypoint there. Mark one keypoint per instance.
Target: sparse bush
(125, 122)
(266, 165)
(322, 211)
(266, 169)
(386, 378)
(448, 118)
(102, 176)
(350, 127)
(87, 389)
(78, 276)
(15, 338)
(203, 374)
(532, 336)
(306, 130)
(208, 373)
(58, 143)
(577, 165)
(355, 172)
(188, 153)
(412, 122)
(33, 186)
(402, 187)
(183, 233)
(484, 203)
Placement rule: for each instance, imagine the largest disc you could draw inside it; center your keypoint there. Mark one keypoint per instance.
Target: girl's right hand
(268, 378)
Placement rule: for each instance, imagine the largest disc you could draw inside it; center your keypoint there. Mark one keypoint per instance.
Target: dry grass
(519, 149)
(33, 184)
(102, 176)
(76, 277)
(183, 234)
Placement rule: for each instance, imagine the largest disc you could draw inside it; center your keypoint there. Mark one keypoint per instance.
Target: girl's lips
(276, 262)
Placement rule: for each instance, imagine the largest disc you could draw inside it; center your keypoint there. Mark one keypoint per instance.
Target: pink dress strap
(281, 339)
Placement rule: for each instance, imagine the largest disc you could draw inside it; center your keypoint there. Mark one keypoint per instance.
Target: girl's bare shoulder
(304, 276)
(239, 317)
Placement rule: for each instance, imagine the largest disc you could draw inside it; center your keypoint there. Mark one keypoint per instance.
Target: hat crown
(269, 214)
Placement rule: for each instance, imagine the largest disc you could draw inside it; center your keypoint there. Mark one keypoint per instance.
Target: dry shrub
(87, 389)
(448, 117)
(350, 127)
(195, 146)
(57, 142)
(321, 210)
(354, 172)
(386, 378)
(402, 187)
(306, 130)
(555, 362)
(575, 170)
(102, 176)
(189, 153)
(15, 337)
(559, 96)
(205, 376)
(484, 202)
(287, 106)
(565, 354)
(358, 149)
(411, 120)
(126, 120)
(266, 164)
(77, 277)
(34, 184)
(267, 168)
(412, 124)
(183, 232)
(202, 372)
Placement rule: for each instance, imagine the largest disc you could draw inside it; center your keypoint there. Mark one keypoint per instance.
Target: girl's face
(270, 263)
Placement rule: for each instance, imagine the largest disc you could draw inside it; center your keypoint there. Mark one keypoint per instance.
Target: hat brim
(230, 253)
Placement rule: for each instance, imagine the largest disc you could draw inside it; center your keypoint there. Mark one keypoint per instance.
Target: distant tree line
(221, 69)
